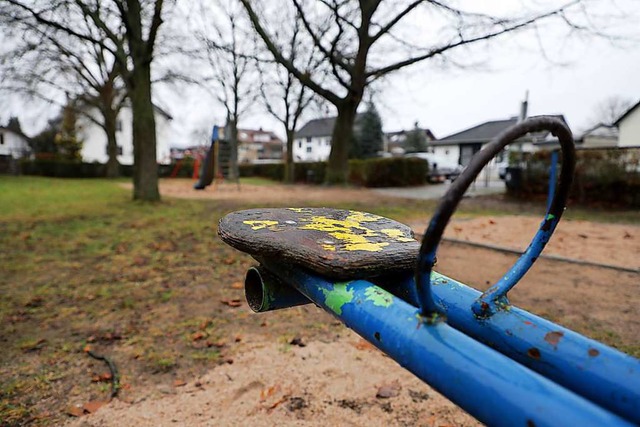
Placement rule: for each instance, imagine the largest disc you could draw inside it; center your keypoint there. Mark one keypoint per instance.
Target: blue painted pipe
(600, 373)
(491, 387)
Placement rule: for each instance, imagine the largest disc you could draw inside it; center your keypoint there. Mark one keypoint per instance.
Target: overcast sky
(570, 76)
(577, 76)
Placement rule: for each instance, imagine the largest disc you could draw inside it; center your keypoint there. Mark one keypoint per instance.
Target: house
(255, 145)
(13, 144)
(394, 141)
(94, 139)
(599, 136)
(629, 127)
(312, 142)
(461, 146)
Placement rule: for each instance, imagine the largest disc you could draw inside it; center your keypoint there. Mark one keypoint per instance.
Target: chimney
(524, 106)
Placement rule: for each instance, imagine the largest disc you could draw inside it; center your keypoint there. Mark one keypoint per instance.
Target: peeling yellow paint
(349, 231)
(299, 210)
(394, 233)
(260, 224)
(331, 248)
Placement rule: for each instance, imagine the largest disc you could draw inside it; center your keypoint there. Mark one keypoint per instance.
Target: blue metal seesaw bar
(442, 330)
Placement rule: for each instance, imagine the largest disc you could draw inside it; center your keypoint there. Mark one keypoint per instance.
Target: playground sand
(322, 383)
(341, 379)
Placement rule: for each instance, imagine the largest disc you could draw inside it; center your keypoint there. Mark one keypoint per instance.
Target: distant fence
(602, 177)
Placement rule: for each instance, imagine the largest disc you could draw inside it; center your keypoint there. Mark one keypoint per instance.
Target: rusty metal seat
(338, 244)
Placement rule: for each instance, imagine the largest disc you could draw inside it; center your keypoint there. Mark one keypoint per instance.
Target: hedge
(606, 177)
(391, 172)
(70, 169)
(382, 172)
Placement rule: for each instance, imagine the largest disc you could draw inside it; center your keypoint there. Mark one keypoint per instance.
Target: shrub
(391, 172)
(601, 177)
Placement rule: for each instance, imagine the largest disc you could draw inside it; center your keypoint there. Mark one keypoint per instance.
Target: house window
(309, 149)
(446, 152)
(308, 139)
(328, 142)
(118, 125)
(299, 144)
(1, 138)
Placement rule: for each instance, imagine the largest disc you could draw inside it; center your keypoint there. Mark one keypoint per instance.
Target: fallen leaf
(179, 383)
(93, 406)
(198, 336)
(363, 345)
(492, 222)
(268, 392)
(237, 285)
(228, 260)
(75, 411)
(232, 302)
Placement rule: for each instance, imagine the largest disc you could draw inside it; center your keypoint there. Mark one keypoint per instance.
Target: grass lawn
(148, 284)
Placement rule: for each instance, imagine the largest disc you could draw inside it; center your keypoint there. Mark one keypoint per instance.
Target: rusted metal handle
(490, 301)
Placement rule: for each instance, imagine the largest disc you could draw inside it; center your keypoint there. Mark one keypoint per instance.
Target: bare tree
(232, 73)
(283, 96)
(57, 68)
(608, 111)
(364, 41)
(128, 30)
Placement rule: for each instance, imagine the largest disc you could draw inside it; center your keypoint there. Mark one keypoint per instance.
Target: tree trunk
(289, 167)
(233, 157)
(145, 171)
(113, 166)
(338, 166)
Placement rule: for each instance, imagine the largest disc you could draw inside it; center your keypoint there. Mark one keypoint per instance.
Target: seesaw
(502, 364)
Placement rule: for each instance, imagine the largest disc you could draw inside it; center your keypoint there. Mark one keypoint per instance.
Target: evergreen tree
(69, 146)
(14, 125)
(368, 136)
(416, 141)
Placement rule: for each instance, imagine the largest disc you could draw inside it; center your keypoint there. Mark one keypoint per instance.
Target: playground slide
(206, 170)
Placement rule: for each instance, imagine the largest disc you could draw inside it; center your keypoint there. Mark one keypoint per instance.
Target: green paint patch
(550, 217)
(378, 296)
(337, 297)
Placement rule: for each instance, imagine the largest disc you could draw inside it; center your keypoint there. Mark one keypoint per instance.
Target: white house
(13, 144)
(629, 127)
(312, 142)
(94, 140)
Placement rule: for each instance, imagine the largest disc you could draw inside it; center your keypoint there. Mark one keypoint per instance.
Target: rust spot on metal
(526, 322)
(533, 353)
(377, 336)
(553, 337)
(593, 352)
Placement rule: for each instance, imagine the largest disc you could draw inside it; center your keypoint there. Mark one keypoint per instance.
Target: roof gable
(626, 114)
(486, 131)
(321, 127)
